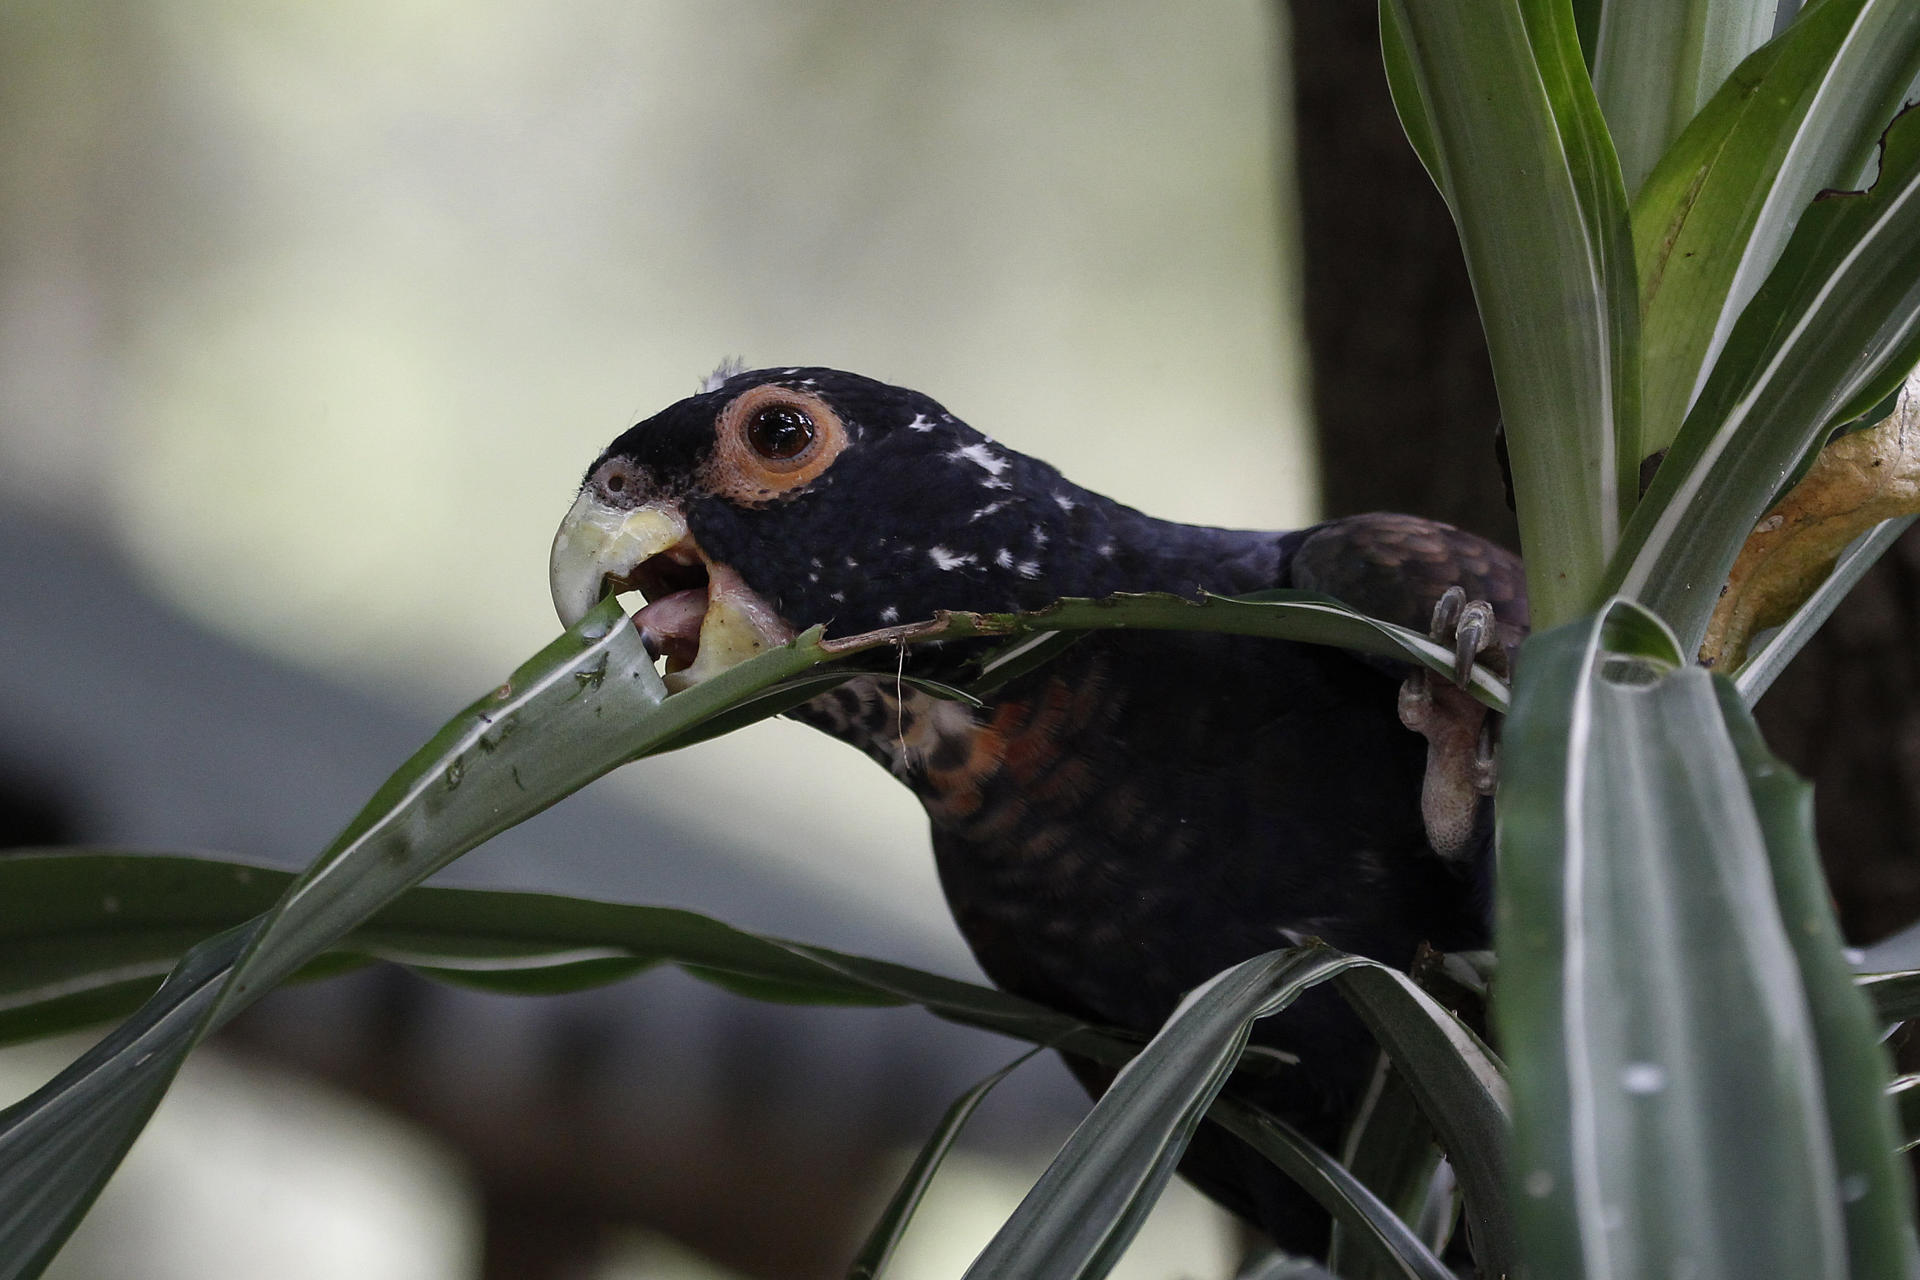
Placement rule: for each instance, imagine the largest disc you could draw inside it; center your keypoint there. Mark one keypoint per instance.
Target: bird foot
(1461, 762)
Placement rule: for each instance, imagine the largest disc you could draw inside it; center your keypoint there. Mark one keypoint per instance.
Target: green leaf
(108, 912)
(1657, 62)
(1764, 665)
(1667, 1069)
(1515, 141)
(887, 1232)
(1403, 83)
(1010, 661)
(1631, 632)
(72, 922)
(503, 761)
(588, 702)
(1894, 996)
(84, 938)
(1800, 115)
(1835, 328)
(1458, 1083)
(1875, 1189)
(59, 1146)
(1394, 1247)
(1905, 1093)
(1301, 616)
(1867, 83)
(1087, 1206)
(1390, 1148)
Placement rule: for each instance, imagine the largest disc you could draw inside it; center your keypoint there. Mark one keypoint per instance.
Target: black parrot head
(778, 499)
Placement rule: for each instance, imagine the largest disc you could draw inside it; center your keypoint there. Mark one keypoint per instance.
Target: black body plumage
(1120, 825)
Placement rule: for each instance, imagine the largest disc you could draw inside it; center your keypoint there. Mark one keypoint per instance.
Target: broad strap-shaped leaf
(1458, 1083)
(1281, 614)
(85, 935)
(1393, 1247)
(1799, 116)
(1391, 1145)
(104, 927)
(1081, 1214)
(1668, 1068)
(1895, 994)
(885, 1237)
(1764, 665)
(1875, 1187)
(131, 914)
(1306, 617)
(1833, 331)
(1403, 82)
(1657, 62)
(1085, 1209)
(1905, 1095)
(584, 705)
(1499, 105)
(58, 1148)
(1390, 1148)
(501, 760)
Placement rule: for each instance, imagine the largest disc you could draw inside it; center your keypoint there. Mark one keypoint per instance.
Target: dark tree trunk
(1402, 392)
(1405, 411)
(1847, 715)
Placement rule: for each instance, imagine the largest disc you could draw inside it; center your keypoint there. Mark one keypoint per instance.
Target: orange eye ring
(771, 440)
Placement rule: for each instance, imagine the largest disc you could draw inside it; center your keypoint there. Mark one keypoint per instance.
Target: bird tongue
(671, 626)
(705, 630)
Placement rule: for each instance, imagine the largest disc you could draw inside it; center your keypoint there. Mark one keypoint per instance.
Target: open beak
(700, 615)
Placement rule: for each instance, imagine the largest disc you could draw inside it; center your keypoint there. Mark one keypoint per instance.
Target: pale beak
(701, 615)
(597, 542)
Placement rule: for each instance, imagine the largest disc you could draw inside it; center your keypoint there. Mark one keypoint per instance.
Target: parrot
(1148, 808)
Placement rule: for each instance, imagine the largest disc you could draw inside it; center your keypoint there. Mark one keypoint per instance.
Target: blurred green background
(317, 313)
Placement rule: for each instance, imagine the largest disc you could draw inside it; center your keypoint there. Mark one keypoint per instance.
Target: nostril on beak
(619, 481)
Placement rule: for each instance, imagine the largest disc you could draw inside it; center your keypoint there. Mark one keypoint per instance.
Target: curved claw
(1466, 625)
(1472, 636)
(1446, 613)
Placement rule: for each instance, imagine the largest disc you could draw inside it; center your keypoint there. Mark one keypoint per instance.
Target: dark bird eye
(779, 432)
